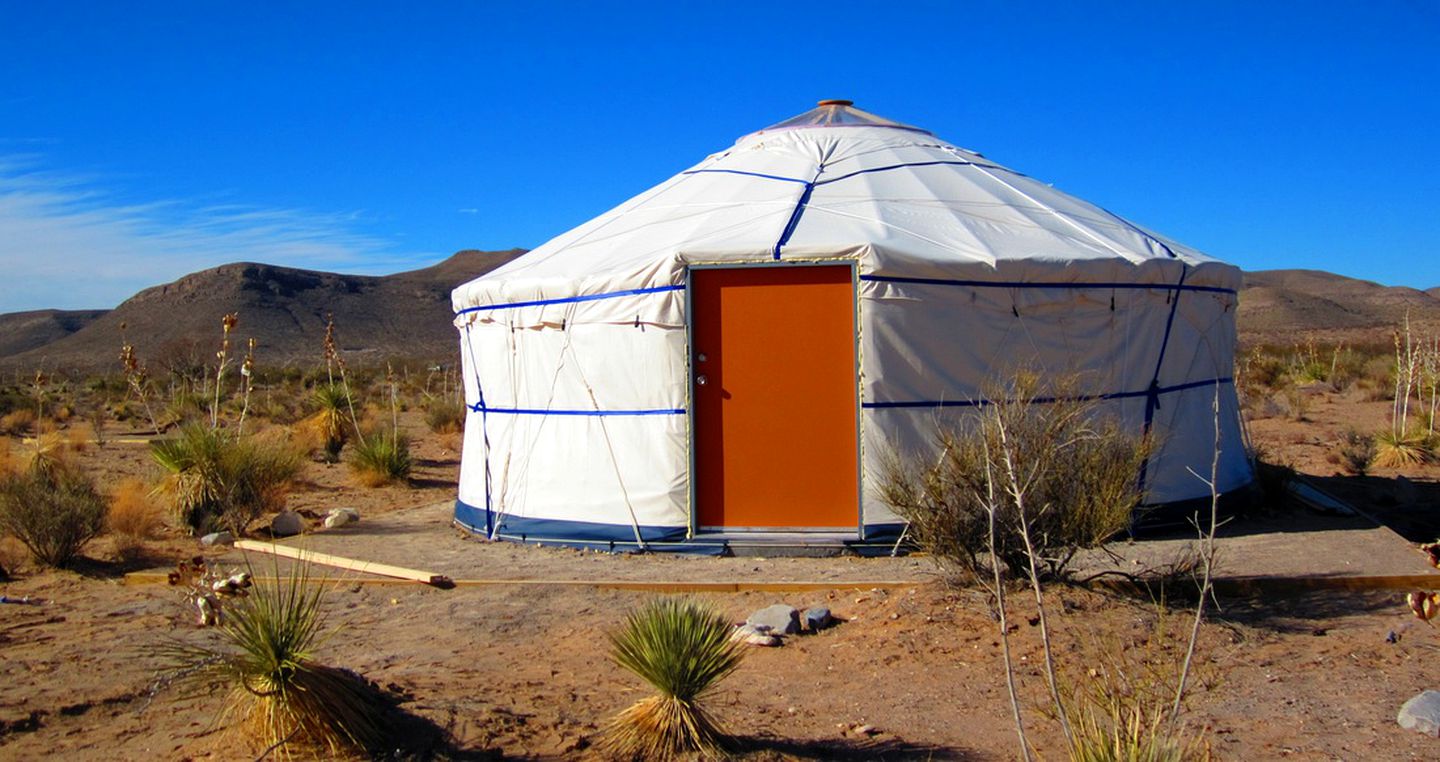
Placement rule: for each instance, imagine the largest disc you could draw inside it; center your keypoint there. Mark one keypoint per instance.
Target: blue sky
(142, 141)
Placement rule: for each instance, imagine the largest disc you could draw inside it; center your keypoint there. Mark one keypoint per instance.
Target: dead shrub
(1079, 470)
(1357, 451)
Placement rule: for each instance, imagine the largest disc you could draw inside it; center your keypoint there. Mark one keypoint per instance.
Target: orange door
(775, 394)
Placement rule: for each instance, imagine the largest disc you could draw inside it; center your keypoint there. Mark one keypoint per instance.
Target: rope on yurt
(795, 213)
(480, 407)
(614, 461)
(1152, 393)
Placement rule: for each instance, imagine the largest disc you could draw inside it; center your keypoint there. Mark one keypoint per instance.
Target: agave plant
(682, 647)
(280, 698)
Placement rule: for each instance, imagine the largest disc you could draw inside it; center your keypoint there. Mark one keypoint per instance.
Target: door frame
(690, 269)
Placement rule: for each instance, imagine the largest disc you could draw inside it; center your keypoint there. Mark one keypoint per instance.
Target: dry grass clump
(1356, 452)
(280, 698)
(18, 422)
(52, 508)
(682, 648)
(133, 516)
(1079, 469)
(215, 479)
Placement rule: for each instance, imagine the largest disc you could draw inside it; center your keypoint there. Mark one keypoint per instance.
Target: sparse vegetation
(327, 424)
(1357, 451)
(445, 416)
(682, 648)
(1078, 470)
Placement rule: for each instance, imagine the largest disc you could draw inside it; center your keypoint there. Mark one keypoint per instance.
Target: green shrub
(682, 648)
(215, 479)
(1077, 471)
(384, 458)
(328, 423)
(54, 510)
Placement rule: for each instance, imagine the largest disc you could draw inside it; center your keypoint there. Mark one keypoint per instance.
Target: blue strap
(572, 299)
(1152, 399)
(1029, 284)
(1155, 390)
(480, 407)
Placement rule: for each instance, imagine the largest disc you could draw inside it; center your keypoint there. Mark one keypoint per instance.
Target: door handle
(701, 380)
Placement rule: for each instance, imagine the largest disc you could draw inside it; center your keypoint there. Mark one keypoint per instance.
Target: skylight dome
(838, 113)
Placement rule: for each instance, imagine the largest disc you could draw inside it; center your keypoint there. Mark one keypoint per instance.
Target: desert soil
(520, 670)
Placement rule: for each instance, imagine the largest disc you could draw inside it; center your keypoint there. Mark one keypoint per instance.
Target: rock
(746, 630)
(339, 517)
(287, 524)
(218, 538)
(817, 618)
(784, 620)
(1422, 714)
(767, 641)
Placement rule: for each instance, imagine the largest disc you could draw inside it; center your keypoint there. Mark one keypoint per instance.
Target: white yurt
(733, 353)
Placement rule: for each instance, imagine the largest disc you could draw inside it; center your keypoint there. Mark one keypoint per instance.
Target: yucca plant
(1401, 449)
(331, 403)
(382, 459)
(682, 647)
(214, 478)
(280, 698)
(1120, 731)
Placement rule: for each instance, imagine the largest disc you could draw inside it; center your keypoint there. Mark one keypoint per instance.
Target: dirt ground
(520, 670)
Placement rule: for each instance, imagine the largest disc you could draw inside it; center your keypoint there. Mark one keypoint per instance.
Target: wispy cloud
(66, 241)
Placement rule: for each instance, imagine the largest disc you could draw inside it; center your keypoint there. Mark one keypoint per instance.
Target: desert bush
(280, 697)
(133, 515)
(682, 648)
(53, 509)
(1357, 451)
(445, 416)
(1297, 403)
(383, 458)
(1079, 472)
(216, 479)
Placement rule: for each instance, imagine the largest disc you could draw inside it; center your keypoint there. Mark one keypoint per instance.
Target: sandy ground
(520, 670)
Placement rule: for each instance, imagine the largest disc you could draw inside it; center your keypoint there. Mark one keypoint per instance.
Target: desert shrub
(1078, 473)
(184, 407)
(18, 422)
(1357, 451)
(328, 423)
(445, 416)
(53, 509)
(382, 458)
(280, 697)
(682, 648)
(133, 515)
(215, 479)
(1297, 403)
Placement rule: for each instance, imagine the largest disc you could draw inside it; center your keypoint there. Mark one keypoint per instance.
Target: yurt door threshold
(774, 400)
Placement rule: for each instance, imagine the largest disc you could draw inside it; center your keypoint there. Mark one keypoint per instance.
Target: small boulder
(1422, 714)
(817, 618)
(339, 517)
(782, 619)
(287, 524)
(217, 538)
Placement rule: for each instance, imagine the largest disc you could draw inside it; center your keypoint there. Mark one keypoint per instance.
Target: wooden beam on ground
(156, 578)
(349, 564)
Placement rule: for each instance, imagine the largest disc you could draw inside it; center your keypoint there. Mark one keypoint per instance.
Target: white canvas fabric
(966, 269)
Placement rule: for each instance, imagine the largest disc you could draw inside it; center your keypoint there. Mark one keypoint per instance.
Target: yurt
(733, 353)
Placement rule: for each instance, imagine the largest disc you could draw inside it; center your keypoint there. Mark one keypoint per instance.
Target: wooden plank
(156, 578)
(349, 564)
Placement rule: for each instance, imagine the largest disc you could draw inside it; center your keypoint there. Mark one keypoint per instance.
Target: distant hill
(405, 315)
(22, 331)
(1282, 305)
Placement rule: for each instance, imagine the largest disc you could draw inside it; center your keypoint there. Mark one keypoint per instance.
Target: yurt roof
(837, 182)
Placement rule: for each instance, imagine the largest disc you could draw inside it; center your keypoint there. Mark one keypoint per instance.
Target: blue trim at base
(620, 538)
